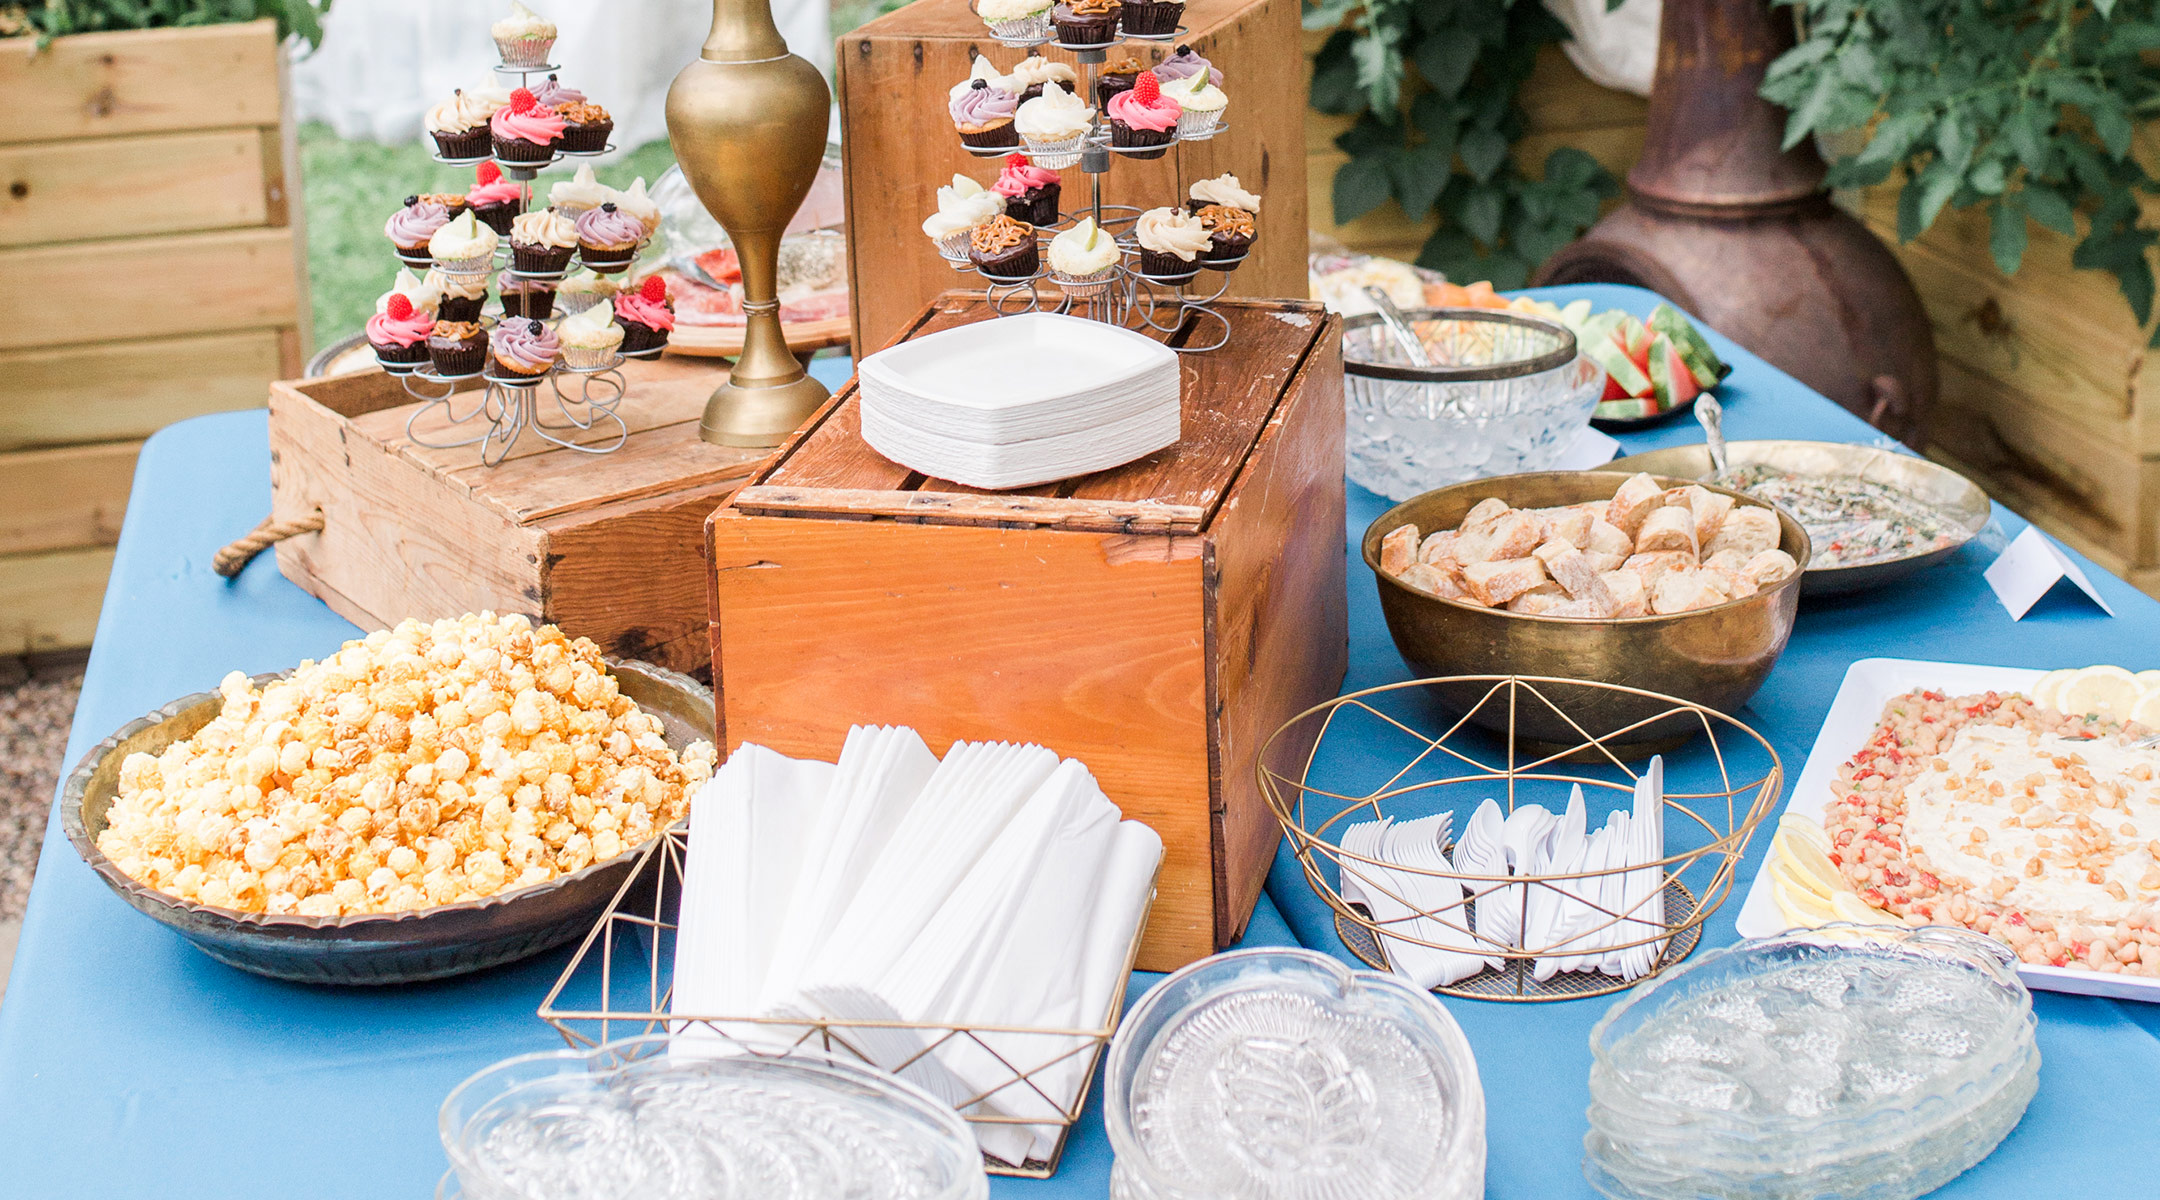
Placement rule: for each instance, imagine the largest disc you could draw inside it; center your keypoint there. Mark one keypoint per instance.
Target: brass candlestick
(748, 124)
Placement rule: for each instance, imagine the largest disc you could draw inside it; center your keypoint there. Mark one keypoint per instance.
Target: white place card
(2029, 568)
(1589, 451)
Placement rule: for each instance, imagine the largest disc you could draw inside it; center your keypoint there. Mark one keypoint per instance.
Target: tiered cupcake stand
(1127, 297)
(507, 404)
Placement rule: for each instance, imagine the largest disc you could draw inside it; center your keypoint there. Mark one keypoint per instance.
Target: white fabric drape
(384, 63)
(1617, 49)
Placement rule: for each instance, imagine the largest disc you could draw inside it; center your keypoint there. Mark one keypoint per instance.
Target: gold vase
(748, 124)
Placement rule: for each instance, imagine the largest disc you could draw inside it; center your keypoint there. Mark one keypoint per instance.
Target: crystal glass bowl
(1507, 393)
(630, 1120)
(1282, 1075)
(1838, 1065)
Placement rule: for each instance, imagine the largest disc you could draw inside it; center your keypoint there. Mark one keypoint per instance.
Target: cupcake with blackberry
(1171, 242)
(961, 206)
(1200, 106)
(410, 228)
(646, 315)
(1016, 22)
(590, 339)
(463, 247)
(457, 347)
(1151, 18)
(495, 200)
(459, 125)
(555, 93)
(524, 296)
(1029, 191)
(1184, 64)
(523, 348)
(1084, 259)
(586, 127)
(1005, 249)
(460, 295)
(541, 243)
(579, 192)
(399, 333)
(1085, 22)
(984, 70)
(1116, 76)
(1052, 125)
(1143, 117)
(524, 37)
(983, 115)
(608, 238)
(525, 131)
(584, 289)
(1027, 79)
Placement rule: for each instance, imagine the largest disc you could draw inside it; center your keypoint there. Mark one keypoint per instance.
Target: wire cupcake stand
(1457, 768)
(1121, 294)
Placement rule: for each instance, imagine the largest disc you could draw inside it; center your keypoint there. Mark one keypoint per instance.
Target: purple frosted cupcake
(608, 238)
(410, 227)
(984, 115)
(522, 348)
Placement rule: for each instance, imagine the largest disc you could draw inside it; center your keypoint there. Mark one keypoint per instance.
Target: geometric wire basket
(1437, 771)
(618, 985)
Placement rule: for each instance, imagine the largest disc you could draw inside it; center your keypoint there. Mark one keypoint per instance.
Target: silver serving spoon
(1711, 415)
(1392, 317)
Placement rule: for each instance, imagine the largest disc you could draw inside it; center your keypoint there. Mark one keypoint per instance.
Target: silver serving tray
(1929, 481)
(375, 948)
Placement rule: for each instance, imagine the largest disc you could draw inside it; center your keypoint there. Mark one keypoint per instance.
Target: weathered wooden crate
(1157, 621)
(607, 546)
(894, 74)
(148, 178)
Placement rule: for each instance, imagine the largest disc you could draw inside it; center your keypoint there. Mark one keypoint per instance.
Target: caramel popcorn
(418, 766)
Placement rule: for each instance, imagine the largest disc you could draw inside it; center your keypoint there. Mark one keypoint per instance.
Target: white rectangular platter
(1869, 684)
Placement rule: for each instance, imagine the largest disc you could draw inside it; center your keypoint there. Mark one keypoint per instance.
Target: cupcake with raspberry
(460, 295)
(541, 243)
(459, 125)
(646, 316)
(1085, 23)
(1143, 117)
(525, 132)
(590, 339)
(1030, 192)
(457, 348)
(585, 127)
(495, 200)
(608, 238)
(983, 115)
(522, 348)
(1116, 76)
(1005, 250)
(410, 228)
(463, 247)
(524, 37)
(1026, 79)
(399, 333)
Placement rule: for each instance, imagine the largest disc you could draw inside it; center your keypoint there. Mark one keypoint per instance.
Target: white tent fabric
(1617, 49)
(384, 63)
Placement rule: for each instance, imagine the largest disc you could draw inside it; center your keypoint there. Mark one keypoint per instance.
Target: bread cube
(1686, 589)
(1608, 538)
(1399, 549)
(1483, 513)
(1749, 529)
(1571, 569)
(1634, 502)
(1539, 600)
(1653, 566)
(1496, 583)
(1669, 528)
(1726, 560)
(1709, 510)
(1439, 549)
(1514, 535)
(1767, 567)
(1434, 581)
(1571, 525)
(1626, 593)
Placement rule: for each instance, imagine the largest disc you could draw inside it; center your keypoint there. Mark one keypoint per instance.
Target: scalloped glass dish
(1282, 1075)
(1826, 1065)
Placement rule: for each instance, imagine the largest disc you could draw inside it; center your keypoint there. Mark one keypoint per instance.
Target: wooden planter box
(894, 74)
(607, 546)
(1157, 621)
(148, 179)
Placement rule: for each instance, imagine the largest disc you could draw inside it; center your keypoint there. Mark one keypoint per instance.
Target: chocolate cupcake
(522, 297)
(1116, 77)
(495, 200)
(1230, 235)
(645, 315)
(1086, 22)
(1143, 117)
(541, 243)
(525, 131)
(1151, 18)
(461, 295)
(586, 128)
(457, 347)
(1030, 192)
(1005, 249)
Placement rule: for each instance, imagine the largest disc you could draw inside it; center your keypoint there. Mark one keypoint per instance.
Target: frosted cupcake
(1084, 258)
(1053, 126)
(1016, 22)
(463, 247)
(646, 316)
(425, 295)
(1030, 192)
(461, 295)
(410, 228)
(495, 200)
(554, 92)
(608, 238)
(524, 37)
(576, 194)
(584, 289)
(1143, 118)
(590, 339)
(1226, 191)
(1027, 78)
(962, 206)
(983, 115)
(1171, 243)
(634, 201)
(1184, 65)
(525, 131)
(523, 348)
(984, 70)
(1200, 106)
(459, 125)
(399, 332)
(541, 243)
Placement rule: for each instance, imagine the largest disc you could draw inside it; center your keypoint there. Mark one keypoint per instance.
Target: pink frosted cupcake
(526, 131)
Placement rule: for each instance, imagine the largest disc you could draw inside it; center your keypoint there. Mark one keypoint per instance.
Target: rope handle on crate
(231, 559)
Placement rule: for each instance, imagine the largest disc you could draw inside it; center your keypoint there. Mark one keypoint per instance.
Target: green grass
(351, 188)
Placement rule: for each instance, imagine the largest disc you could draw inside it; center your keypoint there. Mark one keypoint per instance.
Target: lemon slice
(1807, 865)
(1851, 907)
(2107, 692)
(1801, 909)
(1806, 828)
(2046, 688)
(2147, 710)
(2148, 680)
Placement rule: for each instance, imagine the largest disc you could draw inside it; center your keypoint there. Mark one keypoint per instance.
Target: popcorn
(424, 765)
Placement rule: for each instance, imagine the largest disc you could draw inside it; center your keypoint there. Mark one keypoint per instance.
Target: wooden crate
(607, 546)
(1157, 621)
(894, 74)
(149, 175)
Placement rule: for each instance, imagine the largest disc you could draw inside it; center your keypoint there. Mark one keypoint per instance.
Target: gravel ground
(37, 701)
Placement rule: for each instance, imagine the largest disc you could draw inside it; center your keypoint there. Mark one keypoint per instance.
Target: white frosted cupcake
(1053, 125)
(634, 201)
(1084, 258)
(578, 193)
(1200, 106)
(463, 247)
(1016, 22)
(590, 339)
(524, 37)
(962, 206)
(584, 289)
(1171, 242)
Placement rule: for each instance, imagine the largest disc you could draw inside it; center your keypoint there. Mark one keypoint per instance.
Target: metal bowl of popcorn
(387, 947)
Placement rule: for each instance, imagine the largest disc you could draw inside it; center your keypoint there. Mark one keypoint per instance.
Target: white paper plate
(1020, 361)
(997, 466)
(1869, 684)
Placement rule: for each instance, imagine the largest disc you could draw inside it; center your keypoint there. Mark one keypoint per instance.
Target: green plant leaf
(1335, 86)
(1326, 14)
(2047, 206)
(1361, 185)
(1482, 150)
(1445, 62)
(2006, 235)
(1419, 174)
(1480, 213)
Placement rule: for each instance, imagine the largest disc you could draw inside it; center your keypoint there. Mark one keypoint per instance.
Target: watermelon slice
(1633, 338)
(1670, 374)
(1605, 343)
(1701, 359)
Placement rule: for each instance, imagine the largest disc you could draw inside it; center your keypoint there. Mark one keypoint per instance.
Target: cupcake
(1184, 65)
(637, 204)
(1084, 258)
(1053, 126)
(1150, 18)
(524, 37)
(590, 339)
(554, 93)
(1085, 22)
(608, 237)
(1200, 106)
(961, 206)
(495, 200)
(1171, 242)
(984, 115)
(1116, 77)
(646, 315)
(399, 334)
(523, 348)
(1027, 79)
(1224, 190)
(457, 347)
(463, 247)
(461, 295)
(578, 193)
(583, 289)
(585, 128)
(410, 228)
(1230, 235)
(1143, 117)
(1030, 192)
(1016, 22)
(541, 243)
(459, 125)
(523, 296)
(1004, 249)
(984, 70)
(525, 131)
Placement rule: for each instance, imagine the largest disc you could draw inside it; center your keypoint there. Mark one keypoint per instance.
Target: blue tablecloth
(130, 1064)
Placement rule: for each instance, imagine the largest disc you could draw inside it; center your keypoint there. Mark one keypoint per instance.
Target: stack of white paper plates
(1021, 400)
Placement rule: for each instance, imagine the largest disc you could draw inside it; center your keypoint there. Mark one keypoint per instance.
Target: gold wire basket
(618, 985)
(1465, 763)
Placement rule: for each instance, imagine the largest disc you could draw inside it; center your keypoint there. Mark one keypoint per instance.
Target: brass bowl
(372, 948)
(1929, 481)
(1716, 657)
